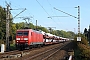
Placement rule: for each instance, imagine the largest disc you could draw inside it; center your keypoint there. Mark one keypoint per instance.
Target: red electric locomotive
(27, 38)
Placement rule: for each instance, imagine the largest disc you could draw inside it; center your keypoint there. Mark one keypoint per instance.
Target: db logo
(21, 38)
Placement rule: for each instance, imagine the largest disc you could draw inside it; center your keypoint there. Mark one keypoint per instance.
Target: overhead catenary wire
(50, 5)
(54, 13)
(47, 12)
(65, 13)
(74, 17)
(19, 7)
(19, 13)
(42, 7)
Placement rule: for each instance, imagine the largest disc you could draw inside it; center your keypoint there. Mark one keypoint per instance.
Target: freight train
(28, 38)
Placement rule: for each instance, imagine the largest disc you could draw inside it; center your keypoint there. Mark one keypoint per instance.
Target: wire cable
(54, 13)
(46, 12)
(43, 7)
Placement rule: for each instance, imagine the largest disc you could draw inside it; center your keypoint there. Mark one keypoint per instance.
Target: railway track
(16, 54)
(11, 54)
(47, 54)
(43, 53)
(6, 54)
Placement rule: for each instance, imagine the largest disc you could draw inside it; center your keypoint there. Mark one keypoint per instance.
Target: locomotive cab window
(25, 33)
(19, 33)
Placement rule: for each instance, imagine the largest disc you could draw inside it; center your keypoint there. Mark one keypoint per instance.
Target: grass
(12, 47)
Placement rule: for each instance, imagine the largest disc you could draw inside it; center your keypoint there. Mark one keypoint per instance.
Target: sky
(40, 10)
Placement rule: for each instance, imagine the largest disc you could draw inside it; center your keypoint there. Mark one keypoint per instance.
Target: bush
(82, 52)
(12, 47)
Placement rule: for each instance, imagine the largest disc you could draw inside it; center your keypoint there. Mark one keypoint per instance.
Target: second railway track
(46, 54)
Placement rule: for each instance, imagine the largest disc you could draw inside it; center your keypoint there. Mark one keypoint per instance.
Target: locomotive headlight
(25, 38)
(18, 38)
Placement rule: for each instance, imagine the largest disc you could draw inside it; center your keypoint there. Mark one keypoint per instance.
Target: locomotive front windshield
(24, 33)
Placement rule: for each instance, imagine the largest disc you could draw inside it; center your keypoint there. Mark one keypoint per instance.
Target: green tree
(89, 34)
(43, 29)
(85, 32)
(2, 23)
(64, 33)
(71, 34)
(31, 26)
(13, 31)
(82, 49)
